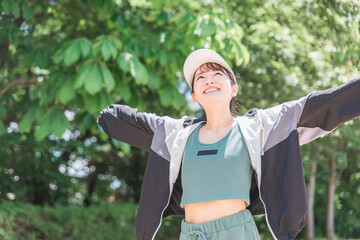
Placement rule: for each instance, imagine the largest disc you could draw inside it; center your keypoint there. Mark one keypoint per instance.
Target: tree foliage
(61, 62)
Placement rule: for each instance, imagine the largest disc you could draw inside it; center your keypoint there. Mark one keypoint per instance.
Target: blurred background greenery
(61, 62)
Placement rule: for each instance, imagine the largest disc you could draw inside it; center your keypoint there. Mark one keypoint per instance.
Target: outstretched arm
(127, 125)
(312, 116)
(323, 111)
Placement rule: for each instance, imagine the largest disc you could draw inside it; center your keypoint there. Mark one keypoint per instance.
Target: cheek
(197, 86)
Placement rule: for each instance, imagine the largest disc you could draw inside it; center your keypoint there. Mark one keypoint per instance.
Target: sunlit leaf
(66, 92)
(106, 50)
(116, 42)
(107, 77)
(59, 54)
(207, 28)
(138, 71)
(72, 53)
(123, 61)
(85, 47)
(93, 82)
(83, 74)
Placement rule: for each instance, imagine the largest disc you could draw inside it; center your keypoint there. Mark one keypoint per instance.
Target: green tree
(61, 62)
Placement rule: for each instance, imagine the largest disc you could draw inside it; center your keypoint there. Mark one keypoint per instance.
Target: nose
(209, 81)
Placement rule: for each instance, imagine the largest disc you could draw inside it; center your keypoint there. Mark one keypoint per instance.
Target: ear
(193, 97)
(235, 90)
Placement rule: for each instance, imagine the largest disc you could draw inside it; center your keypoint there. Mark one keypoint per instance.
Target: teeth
(211, 90)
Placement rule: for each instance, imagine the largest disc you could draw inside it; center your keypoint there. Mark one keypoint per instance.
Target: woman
(215, 197)
(220, 172)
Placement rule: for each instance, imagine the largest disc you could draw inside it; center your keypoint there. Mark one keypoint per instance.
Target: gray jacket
(273, 137)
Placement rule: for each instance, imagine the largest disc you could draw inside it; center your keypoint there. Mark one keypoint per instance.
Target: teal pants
(237, 226)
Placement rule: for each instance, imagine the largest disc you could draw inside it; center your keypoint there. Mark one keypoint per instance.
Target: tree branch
(18, 82)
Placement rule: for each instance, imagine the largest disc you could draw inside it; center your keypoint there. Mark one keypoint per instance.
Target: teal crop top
(216, 171)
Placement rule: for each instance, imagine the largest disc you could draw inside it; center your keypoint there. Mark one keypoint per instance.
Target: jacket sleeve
(324, 111)
(127, 125)
(312, 116)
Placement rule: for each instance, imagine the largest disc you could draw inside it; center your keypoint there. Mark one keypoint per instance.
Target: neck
(217, 118)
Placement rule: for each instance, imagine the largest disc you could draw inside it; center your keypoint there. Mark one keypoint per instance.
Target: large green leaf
(44, 127)
(66, 92)
(207, 28)
(123, 61)
(11, 6)
(96, 48)
(60, 123)
(93, 82)
(116, 42)
(72, 53)
(28, 12)
(59, 54)
(106, 50)
(236, 50)
(138, 71)
(7, 5)
(27, 120)
(83, 74)
(85, 47)
(107, 77)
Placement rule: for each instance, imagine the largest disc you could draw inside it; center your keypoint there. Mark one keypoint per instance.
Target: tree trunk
(91, 182)
(331, 186)
(310, 230)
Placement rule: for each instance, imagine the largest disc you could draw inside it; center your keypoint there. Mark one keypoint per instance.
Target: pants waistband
(214, 225)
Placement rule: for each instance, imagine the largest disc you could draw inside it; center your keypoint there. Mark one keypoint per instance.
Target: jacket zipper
(262, 141)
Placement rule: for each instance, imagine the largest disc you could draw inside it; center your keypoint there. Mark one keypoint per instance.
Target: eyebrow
(205, 72)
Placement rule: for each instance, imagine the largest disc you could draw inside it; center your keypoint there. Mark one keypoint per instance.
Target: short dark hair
(217, 67)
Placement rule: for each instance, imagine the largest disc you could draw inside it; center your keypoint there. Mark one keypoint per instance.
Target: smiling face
(213, 84)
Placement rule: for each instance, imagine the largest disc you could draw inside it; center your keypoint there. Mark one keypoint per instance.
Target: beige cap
(199, 57)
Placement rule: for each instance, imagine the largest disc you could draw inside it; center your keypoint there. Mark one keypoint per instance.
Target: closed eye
(214, 75)
(199, 78)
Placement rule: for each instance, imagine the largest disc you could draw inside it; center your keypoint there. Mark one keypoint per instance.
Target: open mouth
(210, 90)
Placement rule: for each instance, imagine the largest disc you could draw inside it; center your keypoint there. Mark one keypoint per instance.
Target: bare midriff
(208, 211)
